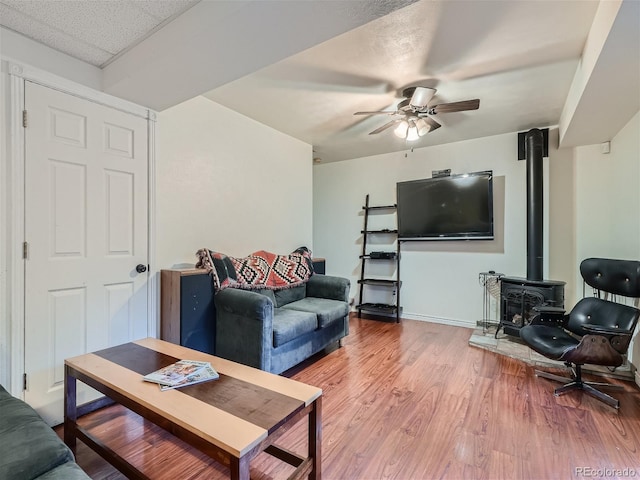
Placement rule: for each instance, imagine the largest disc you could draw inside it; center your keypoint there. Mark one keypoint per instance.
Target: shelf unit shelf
(380, 207)
(378, 281)
(379, 256)
(378, 307)
(392, 256)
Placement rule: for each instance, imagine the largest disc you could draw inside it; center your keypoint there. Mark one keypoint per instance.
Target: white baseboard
(444, 321)
(427, 318)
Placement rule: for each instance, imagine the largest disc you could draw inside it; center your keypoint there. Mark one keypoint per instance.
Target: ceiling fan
(414, 113)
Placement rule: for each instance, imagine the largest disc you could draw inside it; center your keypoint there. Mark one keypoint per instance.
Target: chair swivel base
(578, 384)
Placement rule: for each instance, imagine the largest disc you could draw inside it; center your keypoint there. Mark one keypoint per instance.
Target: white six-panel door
(86, 204)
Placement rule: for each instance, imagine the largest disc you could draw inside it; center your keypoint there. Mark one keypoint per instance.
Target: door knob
(141, 268)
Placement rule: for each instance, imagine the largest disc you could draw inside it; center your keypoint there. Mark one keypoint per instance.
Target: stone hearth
(514, 347)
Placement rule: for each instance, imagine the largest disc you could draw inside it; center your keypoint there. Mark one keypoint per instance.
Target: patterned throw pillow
(259, 270)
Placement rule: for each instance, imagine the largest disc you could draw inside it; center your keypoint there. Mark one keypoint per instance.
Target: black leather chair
(597, 331)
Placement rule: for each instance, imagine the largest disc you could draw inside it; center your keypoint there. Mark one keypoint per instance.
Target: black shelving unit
(379, 256)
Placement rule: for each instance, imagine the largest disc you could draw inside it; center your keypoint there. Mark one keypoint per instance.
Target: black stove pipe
(534, 143)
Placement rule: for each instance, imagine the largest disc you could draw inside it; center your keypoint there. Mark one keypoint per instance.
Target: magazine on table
(176, 372)
(206, 374)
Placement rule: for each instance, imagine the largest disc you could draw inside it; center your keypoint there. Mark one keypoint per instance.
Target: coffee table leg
(239, 468)
(315, 439)
(70, 409)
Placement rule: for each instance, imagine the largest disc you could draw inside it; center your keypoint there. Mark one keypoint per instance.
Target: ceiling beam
(216, 42)
(595, 113)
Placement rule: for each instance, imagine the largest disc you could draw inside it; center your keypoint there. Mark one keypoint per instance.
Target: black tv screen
(457, 207)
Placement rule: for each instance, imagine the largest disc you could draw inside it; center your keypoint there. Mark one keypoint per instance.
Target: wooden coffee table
(231, 419)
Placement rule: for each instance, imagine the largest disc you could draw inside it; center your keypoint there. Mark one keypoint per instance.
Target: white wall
(228, 183)
(439, 279)
(608, 197)
(608, 203)
(561, 220)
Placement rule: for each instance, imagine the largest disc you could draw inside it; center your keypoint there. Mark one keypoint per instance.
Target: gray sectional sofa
(29, 448)
(275, 330)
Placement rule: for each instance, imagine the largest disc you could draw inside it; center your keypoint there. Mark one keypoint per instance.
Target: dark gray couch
(275, 330)
(29, 448)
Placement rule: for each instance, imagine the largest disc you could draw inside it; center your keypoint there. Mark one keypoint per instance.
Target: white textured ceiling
(304, 67)
(517, 57)
(94, 31)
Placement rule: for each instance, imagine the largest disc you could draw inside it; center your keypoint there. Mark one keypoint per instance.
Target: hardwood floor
(413, 401)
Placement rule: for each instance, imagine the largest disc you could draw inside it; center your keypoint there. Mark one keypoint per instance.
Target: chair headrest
(619, 277)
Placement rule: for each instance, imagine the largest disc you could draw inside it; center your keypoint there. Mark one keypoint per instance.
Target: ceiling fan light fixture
(421, 97)
(401, 130)
(413, 115)
(422, 126)
(412, 134)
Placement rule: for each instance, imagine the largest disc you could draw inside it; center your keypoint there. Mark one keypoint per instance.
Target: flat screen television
(456, 207)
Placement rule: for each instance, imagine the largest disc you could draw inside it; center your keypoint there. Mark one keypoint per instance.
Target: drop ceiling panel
(52, 37)
(93, 31)
(164, 9)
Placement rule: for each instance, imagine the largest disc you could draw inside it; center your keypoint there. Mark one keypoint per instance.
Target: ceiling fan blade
(432, 123)
(456, 106)
(380, 112)
(385, 126)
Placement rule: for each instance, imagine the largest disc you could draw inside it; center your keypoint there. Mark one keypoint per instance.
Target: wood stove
(518, 296)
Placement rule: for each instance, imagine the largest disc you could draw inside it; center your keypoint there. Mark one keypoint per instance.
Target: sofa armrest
(325, 286)
(244, 327)
(244, 302)
(29, 448)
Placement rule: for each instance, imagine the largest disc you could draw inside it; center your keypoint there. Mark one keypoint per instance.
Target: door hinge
(25, 250)
(24, 381)
(24, 118)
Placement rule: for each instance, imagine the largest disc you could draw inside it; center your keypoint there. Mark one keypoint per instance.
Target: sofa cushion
(66, 471)
(326, 310)
(288, 295)
(267, 293)
(290, 324)
(28, 446)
